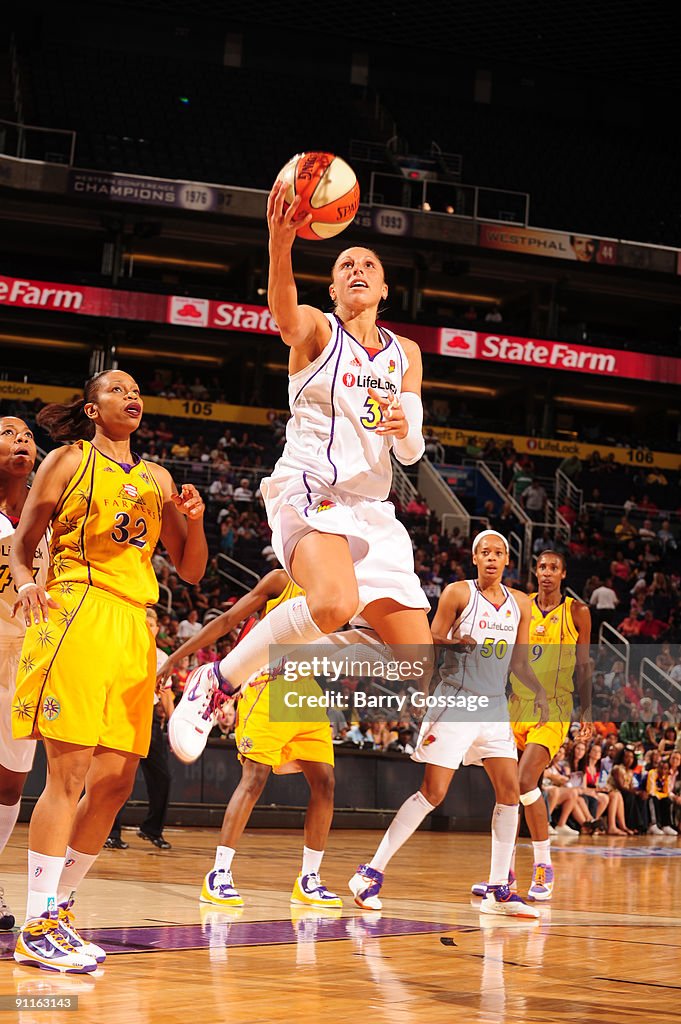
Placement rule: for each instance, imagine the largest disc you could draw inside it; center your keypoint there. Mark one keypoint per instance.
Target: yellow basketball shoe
(309, 891)
(218, 888)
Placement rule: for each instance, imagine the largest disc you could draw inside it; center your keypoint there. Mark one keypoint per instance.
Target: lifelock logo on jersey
(484, 624)
(365, 381)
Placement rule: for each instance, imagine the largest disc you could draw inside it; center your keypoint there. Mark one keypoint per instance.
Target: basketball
(328, 189)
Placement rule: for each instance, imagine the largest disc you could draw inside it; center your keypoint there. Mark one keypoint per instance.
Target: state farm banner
(556, 244)
(212, 314)
(557, 355)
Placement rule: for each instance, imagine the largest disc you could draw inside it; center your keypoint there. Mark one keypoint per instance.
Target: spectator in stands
(630, 626)
(189, 627)
(534, 500)
(521, 479)
(659, 803)
(243, 494)
(657, 477)
(470, 315)
(625, 530)
(417, 507)
(221, 488)
(604, 601)
(511, 576)
(633, 730)
(494, 315)
(227, 536)
(542, 543)
(163, 434)
(624, 779)
(571, 466)
(651, 629)
(579, 545)
(646, 531)
(666, 537)
(180, 450)
(668, 742)
(648, 505)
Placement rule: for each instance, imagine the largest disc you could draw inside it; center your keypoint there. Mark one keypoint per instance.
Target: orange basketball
(328, 189)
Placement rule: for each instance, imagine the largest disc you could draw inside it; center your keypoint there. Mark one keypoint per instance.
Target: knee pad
(530, 798)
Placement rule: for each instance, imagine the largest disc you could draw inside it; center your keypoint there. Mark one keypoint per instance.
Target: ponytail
(68, 421)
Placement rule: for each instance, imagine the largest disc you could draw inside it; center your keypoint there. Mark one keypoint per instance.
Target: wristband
(409, 449)
(24, 586)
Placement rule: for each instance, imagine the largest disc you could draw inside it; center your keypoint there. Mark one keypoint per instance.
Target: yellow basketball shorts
(552, 734)
(262, 736)
(87, 676)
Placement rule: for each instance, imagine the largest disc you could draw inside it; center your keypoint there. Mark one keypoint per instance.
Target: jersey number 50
(490, 647)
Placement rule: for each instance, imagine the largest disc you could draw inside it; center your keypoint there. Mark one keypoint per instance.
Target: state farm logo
(463, 344)
(189, 311)
(349, 380)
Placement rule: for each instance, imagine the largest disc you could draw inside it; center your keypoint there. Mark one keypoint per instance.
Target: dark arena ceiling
(632, 41)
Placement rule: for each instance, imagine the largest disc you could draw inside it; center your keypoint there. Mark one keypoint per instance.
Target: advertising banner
(556, 244)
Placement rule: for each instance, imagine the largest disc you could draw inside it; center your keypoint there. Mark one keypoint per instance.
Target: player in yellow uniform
(264, 745)
(560, 631)
(17, 459)
(85, 682)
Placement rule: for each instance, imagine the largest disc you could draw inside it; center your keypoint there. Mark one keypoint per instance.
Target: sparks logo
(325, 505)
(391, 366)
(131, 491)
(349, 380)
(428, 740)
(508, 613)
(462, 344)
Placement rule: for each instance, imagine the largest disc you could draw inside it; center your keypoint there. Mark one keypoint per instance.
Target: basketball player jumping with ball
(354, 391)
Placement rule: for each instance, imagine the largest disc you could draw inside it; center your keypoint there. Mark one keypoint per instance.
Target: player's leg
(218, 885)
(366, 883)
(533, 761)
(42, 941)
(503, 774)
(322, 565)
(11, 788)
(309, 889)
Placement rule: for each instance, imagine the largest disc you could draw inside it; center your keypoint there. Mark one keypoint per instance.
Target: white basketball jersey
(331, 438)
(495, 630)
(14, 628)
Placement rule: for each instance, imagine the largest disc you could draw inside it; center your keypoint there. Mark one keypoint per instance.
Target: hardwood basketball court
(605, 948)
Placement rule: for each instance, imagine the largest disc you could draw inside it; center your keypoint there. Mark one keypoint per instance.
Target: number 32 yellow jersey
(105, 528)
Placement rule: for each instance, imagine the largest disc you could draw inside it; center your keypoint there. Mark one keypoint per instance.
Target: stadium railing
(621, 648)
(440, 498)
(652, 675)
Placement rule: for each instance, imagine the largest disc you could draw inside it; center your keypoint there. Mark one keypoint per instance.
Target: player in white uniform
(469, 724)
(355, 395)
(17, 458)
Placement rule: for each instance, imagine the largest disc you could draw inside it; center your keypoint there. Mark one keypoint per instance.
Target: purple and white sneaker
(480, 888)
(500, 900)
(193, 719)
(365, 886)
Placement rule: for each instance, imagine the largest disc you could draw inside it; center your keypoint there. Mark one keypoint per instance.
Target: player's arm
(402, 418)
(268, 587)
(182, 525)
(581, 616)
(51, 480)
(301, 327)
(520, 663)
(452, 602)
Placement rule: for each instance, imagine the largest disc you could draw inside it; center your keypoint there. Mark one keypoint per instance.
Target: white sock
(542, 852)
(513, 858)
(43, 882)
(76, 867)
(312, 861)
(8, 819)
(290, 624)
(404, 824)
(504, 826)
(224, 855)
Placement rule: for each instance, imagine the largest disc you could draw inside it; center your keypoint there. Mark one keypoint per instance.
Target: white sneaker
(561, 830)
(655, 830)
(43, 943)
(365, 886)
(669, 831)
(552, 831)
(193, 719)
(500, 900)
